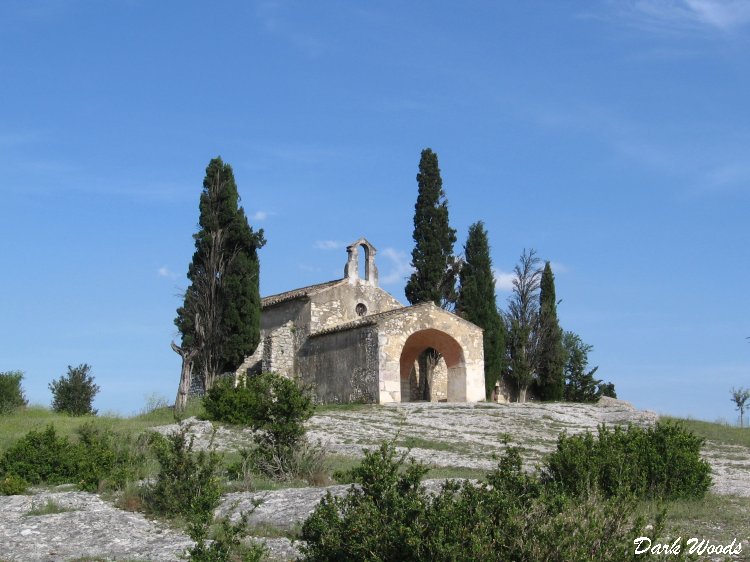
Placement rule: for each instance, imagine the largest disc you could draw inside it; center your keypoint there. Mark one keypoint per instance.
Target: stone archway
(452, 354)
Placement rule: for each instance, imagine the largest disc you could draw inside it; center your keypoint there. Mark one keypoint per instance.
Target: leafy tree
(435, 267)
(476, 302)
(11, 393)
(523, 320)
(580, 384)
(740, 397)
(220, 317)
(74, 393)
(551, 351)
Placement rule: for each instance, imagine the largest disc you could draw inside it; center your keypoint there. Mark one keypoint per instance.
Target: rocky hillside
(442, 435)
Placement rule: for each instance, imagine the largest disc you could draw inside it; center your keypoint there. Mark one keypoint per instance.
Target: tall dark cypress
(551, 349)
(220, 316)
(476, 302)
(432, 256)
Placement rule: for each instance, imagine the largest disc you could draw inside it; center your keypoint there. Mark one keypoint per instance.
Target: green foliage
(108, 460)
(226, 545)
(523, 320)
(551, 350)
(74, 393)
(476, 302)
(220, 316)
(99, 459)
(512, 515)
(268, 402)
(277, 408)
(11, 393)
(432, 256)
(187, 484)
(580, 384)
(662, 462)
(41, 457)
(12, 485)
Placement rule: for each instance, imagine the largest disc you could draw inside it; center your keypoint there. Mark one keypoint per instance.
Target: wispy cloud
(328, 245)
(682, 15)
(167, 273)
(399, 266)
(260, 215)
(503, 280)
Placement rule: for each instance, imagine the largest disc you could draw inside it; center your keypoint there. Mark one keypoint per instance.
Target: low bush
(512, 515)
(277, 408)
(226, 544)
(188, 486)
(662, 461)
(12, 485)
(99, 459)
(187, 483)
(11, 393)
(268, 402)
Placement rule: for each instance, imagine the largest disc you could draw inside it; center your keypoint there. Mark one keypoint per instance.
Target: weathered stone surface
(94, 528)
(453, 435)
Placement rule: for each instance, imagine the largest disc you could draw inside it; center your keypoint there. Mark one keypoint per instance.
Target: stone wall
(338, 304)
(459, 341)
(341, 366)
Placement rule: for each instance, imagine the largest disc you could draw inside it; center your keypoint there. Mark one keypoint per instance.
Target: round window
(360, 309)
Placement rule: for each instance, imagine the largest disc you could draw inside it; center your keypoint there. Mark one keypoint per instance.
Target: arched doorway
(450, 384)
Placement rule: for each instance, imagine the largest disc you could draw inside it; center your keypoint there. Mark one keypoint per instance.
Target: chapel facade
(352, 341)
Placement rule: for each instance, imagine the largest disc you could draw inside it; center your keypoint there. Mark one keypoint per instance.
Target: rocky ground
(443, 435)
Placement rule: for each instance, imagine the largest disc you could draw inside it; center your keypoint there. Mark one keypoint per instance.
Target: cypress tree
(476, 302)
(434, 278)
(432, 256)
(551, 350)
(220, 317)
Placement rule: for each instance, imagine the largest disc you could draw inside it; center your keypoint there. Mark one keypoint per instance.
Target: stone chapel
(354, 342)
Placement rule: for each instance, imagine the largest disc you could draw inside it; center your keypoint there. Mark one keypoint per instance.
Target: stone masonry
(351, 341)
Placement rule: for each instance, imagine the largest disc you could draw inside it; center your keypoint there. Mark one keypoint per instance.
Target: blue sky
(612, 137)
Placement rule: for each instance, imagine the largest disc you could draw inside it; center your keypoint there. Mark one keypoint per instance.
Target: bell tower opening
(363, 271)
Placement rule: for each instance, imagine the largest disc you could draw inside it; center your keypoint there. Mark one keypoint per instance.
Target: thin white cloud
(260, 215)
(399, 266)
(328, 245)
(503, 280)
(682, 15)
(164, 271)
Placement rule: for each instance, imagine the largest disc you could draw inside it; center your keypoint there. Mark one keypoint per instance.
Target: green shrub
(277, 408)
(662, 461)
(100, 459)
(187, 484)
(226, 545)
(74, 393)
(108, 460)
(41, 457)
(268, 402)
(510, 516)
(11, 393)
(12, 485)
